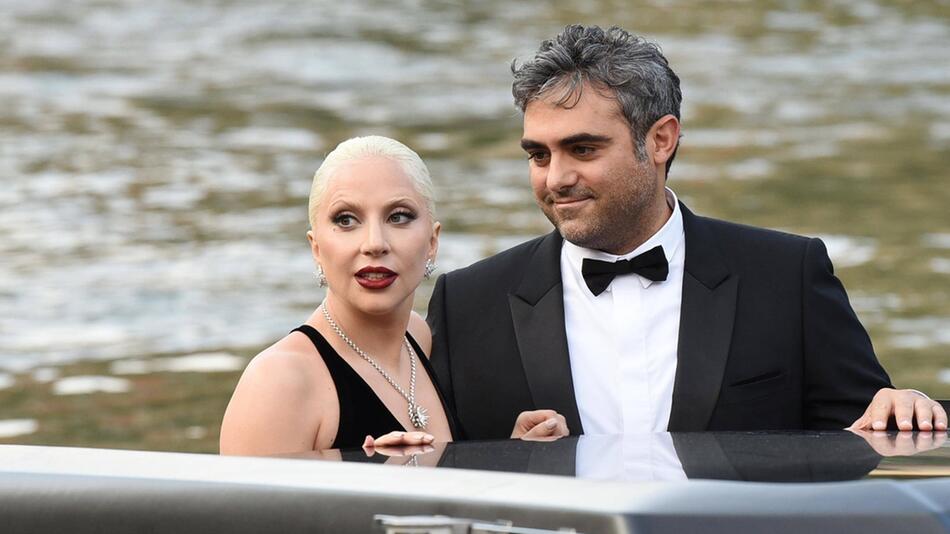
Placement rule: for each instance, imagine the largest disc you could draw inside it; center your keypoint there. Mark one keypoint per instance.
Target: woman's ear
(434, 240)
(314, 248)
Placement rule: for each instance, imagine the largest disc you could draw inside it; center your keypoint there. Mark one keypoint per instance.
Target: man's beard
(596, 234)
(620, 219)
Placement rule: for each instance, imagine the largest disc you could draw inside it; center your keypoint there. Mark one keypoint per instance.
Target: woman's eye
(401, 217)
(344, 220)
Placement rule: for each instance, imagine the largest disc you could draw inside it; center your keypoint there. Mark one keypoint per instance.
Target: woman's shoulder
(419, 330)
(291, 362)
(280, 401)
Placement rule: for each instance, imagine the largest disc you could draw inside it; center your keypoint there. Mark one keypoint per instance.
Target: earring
(430, 268)
(321, 277)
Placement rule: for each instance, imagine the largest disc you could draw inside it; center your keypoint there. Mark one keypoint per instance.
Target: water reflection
(155, 158)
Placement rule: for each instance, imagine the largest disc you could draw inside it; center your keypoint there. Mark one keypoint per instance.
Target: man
(636, 314)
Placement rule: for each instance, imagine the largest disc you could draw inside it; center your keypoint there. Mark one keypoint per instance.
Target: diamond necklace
(418, 416)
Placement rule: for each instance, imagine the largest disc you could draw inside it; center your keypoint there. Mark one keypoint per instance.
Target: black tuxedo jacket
(767, 340)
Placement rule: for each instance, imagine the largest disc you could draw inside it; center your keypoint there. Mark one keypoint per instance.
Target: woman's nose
(375, 242)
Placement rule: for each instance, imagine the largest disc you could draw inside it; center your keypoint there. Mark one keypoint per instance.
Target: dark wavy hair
(626, 66)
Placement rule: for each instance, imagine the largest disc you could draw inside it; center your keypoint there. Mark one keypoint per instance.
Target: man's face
(585, 174)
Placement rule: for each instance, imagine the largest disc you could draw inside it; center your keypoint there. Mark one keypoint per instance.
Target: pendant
(418, 416)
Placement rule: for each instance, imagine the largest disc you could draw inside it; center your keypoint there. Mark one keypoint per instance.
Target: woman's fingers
(398, 443)
(550, 429)
(556, 426)
(399, 438)
(529, 420)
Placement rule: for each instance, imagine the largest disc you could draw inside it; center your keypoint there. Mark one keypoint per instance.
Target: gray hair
(358, 148)
(626, 66)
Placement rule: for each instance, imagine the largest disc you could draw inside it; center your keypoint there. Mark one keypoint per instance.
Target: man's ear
(662, 139)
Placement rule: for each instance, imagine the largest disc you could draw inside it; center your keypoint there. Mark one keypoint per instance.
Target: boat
(772, 482)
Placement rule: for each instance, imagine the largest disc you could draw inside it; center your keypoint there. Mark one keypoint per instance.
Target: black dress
(361, 411)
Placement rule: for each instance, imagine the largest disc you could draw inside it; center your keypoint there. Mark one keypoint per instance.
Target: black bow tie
(651, 264)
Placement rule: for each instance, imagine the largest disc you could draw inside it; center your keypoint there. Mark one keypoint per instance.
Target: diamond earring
(430, 268)
(321, 277)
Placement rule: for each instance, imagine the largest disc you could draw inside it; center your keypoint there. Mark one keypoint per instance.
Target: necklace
(418, 416)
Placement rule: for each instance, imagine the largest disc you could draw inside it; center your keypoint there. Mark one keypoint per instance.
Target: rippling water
(155, 157)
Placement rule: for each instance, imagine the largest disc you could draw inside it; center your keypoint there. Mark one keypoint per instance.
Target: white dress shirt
(623, 342)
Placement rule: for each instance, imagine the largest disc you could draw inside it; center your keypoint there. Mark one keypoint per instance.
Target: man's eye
(344, 220)
(401, 217)
(538, 157)
(583, 150)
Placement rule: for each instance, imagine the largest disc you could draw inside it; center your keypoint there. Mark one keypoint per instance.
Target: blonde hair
(358, 148)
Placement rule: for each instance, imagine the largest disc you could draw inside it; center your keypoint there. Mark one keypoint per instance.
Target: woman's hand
(540, 425)
(398, 443)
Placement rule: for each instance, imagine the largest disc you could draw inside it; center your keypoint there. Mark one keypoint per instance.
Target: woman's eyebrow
(402, 201)
(342, 203)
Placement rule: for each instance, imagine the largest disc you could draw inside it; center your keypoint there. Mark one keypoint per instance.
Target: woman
(358, 367)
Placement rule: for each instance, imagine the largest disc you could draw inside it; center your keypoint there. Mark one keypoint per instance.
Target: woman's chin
(379, 305)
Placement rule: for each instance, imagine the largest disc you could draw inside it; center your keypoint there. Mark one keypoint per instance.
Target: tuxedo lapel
(537, 312)
(707, 313)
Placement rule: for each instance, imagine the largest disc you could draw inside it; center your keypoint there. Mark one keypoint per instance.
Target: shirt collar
(670, 237)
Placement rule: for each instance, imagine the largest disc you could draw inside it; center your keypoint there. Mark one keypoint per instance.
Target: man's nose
(561, 173)
(375, 242)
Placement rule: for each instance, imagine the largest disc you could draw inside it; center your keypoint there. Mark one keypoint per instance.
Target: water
(155, 158)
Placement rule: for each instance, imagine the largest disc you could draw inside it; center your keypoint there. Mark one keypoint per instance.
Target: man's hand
(905, 405)
(540, 425)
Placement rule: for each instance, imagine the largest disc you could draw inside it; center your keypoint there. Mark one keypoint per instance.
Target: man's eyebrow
(584, 138)
(529, 144)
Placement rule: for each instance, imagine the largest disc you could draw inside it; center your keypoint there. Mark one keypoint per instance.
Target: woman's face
(372, 235)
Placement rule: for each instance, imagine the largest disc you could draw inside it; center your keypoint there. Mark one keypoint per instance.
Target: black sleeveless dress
(361, 411)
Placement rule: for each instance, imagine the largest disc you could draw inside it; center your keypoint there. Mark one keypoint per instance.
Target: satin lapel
(707, 314)
(537, 312)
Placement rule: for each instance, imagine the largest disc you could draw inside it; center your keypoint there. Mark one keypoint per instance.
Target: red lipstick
(375, 277)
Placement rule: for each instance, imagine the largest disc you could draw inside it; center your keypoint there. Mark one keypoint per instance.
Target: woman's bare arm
(274, 408)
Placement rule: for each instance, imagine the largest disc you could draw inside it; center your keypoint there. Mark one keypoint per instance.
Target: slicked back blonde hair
(358, 148)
